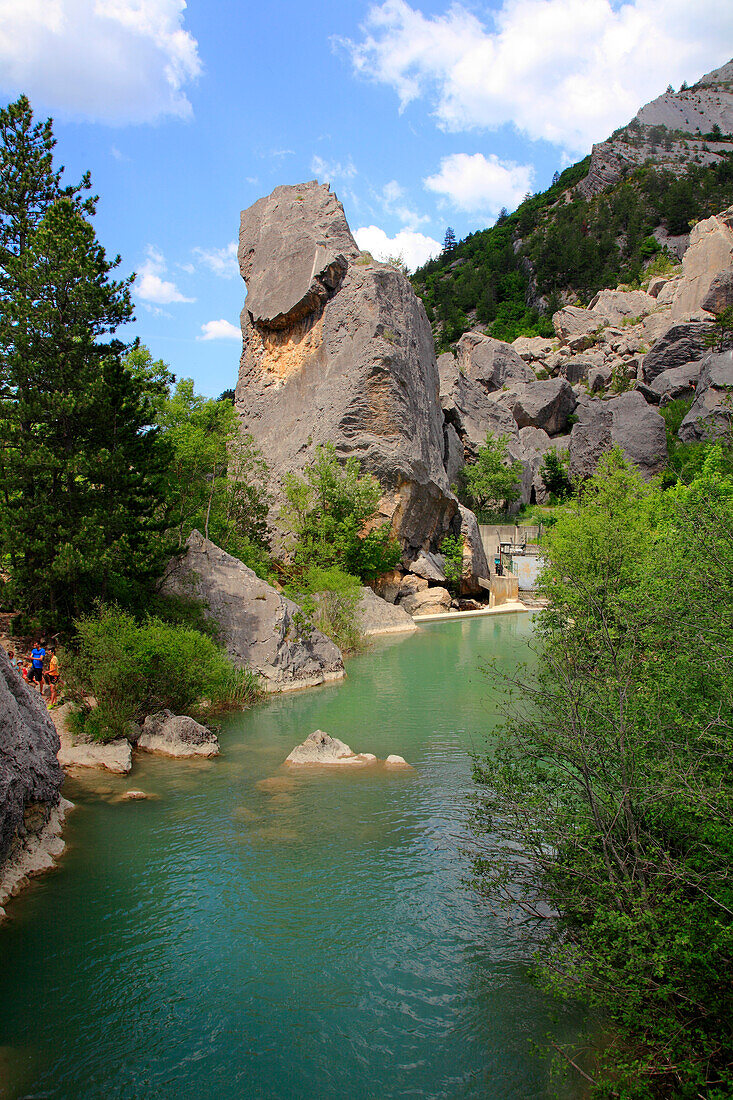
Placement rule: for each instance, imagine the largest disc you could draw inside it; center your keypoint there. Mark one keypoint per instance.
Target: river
(256, 932)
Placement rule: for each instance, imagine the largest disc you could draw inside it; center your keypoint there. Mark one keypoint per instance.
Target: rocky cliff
(338, 348)
(672, 131)
(30, 782)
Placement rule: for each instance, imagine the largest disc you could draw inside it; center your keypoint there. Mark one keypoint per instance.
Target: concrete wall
(493, 534)
(501, 589)
(526, 568)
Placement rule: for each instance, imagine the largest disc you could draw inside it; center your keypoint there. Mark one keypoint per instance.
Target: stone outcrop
(469, 409)
(545, 405)
(720, 292)
(377, 616)
(475, 567)
(431, 567)
(711, 415)
(627, 421)
(490, 362)
(428, 601)
(176, 735)
(574, 324)
(672, 384)
(258, 626)
(30, 782)
(337, 348)
(618, 306)
(710, 252)
(681, 343)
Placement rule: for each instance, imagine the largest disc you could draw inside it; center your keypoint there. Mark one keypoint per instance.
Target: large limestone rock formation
(490, 362)
(338, 348)
(680, 344)
(545, 405)
(710, 252)
(30, 782)
(470, 409)
(258, 626)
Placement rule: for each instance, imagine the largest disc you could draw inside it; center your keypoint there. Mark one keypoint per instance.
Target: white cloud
(327, 171)
(479, 183)
(220, 330)
(392, 198)
(222, 261)
(151, 287)
(567, 71)
(113, 61)
(414, 249)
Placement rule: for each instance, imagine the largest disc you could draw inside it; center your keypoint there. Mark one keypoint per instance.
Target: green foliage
(217, 479)
(328, 599)
(332, 511)
(722, 330)
(82, 467)
(554, 474)
(133, 669)
(607, 794)
(452, 550)
(493, 481)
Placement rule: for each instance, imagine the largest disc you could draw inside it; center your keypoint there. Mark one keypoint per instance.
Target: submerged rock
(321, 748)
(177, 735)
(258, 626)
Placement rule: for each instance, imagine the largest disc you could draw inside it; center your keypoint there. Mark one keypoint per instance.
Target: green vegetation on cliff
(508, 279)
(608, 794)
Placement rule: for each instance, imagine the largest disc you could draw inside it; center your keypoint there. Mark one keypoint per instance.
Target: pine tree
(555, 179)
(449, 244)
(80, 465)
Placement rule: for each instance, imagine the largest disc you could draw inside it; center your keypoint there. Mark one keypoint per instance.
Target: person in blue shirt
(35, 676)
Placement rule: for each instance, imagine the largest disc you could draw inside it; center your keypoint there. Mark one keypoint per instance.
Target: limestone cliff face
(30, 774)
(665, 131)
(338, 348)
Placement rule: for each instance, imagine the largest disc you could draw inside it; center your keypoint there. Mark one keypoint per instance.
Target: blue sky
(421, 114)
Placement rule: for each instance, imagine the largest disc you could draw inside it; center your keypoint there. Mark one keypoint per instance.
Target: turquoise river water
(257, 932)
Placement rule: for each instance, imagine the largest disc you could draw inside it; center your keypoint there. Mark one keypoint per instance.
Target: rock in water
(321, 748)
(177, 735)
(338, 348)
(30, 774)
(259, 627)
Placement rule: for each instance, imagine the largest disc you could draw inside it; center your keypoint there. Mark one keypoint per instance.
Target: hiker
(35, 674)
(52, 679)
(14, 661)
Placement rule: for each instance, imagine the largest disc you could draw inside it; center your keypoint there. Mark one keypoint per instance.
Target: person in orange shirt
(52, 679)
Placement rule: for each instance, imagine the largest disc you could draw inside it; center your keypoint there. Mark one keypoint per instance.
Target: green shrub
(452, 550)
(328, 599)
(132, 669)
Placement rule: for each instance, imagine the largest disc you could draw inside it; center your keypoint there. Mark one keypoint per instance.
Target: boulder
(599, 378)
(176, 735)
(320, 748)
(675, 382)
(574, 322)
(544, 405)
(533, 349)
(490, 362)
(429, 601)
(627, 421)
(575, 369)
(666, 294)
(720, 292)
(114, 756)
(680, 344)
(257, 625)
(711, 415)
(429, 566)
(337, 348)
(710, 252)
(475, 566)
(376, 616)
(410, 585)
(617, 306)
(656, 285)
(30, 774)
(469, 410)
(30, 780)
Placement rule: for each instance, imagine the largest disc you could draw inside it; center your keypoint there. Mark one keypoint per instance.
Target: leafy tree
(493, 481)
(452, 550)
(608, 791)
(554, 474)
(332, 512)
(81, 473)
